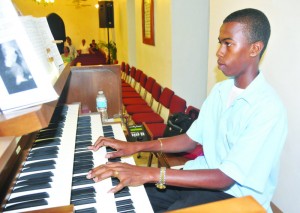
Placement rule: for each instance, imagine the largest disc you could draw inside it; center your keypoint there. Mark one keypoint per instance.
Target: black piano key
(29, 197)
(117, 159)
(107, 128)
(123, 202)
(125, 208)
(122, 194)
(40, 163)
(48, 149)
(83, 190)
(83, 131)
(82, 169)
(56, 125)
(32, 187)
(47, 142)
(38, 168)
(84, 120)
(83, 145)
(83, 201)
(83, 138)
(43, 157)
(34, 203)
(34, 181)
(109, 149)
(81, 180)
(48, 135)
(42, 152)
(87, 210)
(36, 175)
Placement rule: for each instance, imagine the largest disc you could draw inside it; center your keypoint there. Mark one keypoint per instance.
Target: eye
(228, 44)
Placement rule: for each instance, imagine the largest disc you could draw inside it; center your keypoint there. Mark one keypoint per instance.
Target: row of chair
(146, 102)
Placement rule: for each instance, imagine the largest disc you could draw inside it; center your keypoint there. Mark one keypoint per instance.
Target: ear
(256, 48)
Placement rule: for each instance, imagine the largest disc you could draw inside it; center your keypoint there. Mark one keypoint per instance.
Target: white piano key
(60, 190)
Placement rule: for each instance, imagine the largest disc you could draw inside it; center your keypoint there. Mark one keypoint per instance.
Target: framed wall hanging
(148, 21)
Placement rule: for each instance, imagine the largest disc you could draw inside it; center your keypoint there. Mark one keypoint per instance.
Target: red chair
(156, 130)
(127, 78)
(123, 74)
(155, 117)
(134, 92)
(150, 90)
(141, 101)
(177, 159)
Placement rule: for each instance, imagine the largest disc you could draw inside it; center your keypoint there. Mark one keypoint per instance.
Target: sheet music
(23, 80)
(42, 44)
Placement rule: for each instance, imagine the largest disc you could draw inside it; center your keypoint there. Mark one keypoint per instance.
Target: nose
(219, 52)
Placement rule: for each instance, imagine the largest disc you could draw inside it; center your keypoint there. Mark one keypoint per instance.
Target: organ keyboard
(54, 173)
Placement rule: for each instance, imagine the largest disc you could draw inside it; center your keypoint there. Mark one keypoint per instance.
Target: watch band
(162, 179)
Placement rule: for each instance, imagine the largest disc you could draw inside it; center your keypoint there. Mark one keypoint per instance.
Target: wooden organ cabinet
(18, 129)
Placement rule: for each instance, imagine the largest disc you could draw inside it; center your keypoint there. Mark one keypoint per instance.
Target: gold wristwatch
(162, 179)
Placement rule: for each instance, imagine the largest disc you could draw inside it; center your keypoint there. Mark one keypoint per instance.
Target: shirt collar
(250, 94)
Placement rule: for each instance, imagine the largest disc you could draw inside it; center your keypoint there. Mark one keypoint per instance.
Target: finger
(119, 187)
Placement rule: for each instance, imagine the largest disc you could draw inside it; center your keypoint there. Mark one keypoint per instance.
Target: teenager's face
(234, 51)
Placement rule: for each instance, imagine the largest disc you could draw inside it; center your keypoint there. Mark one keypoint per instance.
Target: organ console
(44, 158)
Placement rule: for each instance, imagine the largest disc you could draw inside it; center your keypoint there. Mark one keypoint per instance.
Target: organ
(32, 141)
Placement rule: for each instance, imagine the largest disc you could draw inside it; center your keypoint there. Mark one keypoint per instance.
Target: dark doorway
(57, 28)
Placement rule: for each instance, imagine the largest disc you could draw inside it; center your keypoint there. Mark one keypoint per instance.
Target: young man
(242, 126)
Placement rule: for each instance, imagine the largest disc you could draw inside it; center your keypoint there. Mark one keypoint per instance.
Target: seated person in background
(242, 136)
(66, 56)
(94, 47)
(73, 51)
(84, 47)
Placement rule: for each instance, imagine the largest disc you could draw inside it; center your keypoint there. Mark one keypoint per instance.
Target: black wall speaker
(106, 14)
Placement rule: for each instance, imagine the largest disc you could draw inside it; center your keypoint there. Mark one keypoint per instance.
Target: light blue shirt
(243, 140)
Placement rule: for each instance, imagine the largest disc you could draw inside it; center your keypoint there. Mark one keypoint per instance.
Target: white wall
(280, 66)
(189, 49)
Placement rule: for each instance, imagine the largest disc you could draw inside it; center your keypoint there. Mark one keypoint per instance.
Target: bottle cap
(100, 92)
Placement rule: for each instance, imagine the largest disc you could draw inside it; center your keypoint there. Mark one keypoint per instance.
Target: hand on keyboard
(128, 175)
(121, 148)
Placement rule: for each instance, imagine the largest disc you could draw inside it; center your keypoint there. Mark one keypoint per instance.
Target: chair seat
(133, 101)
(157, 129)
(147, 118)
(130, 95)
(198, 151)
(128, 89)
(134, 109)
(124, 84)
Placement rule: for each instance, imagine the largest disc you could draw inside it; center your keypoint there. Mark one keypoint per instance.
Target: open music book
(29, 62)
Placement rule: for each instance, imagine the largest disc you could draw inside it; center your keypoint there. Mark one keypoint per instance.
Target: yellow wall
(156, 60)
(83, 22)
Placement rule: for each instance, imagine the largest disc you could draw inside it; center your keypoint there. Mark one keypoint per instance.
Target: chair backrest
(127, 72)
(166, 96)
(137, 76)
(132, 76)
(143, 79)
(156, 91)
(193, 112)
(177, 104)
(142, 82)
(149, 84)
(123, 66)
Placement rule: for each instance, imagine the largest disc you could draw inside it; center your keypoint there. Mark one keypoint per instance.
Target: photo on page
(14, 71)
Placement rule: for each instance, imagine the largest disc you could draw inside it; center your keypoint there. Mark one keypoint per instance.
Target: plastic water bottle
(101, 103)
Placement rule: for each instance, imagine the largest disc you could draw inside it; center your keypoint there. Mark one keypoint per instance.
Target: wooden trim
(34, 118)
(148, 21)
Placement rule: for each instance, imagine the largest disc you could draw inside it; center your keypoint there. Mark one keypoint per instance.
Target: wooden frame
(148, 21)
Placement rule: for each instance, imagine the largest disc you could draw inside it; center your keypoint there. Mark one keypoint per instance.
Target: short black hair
(257, 25)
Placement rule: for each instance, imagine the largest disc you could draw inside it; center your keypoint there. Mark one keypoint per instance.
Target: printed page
(24, 78)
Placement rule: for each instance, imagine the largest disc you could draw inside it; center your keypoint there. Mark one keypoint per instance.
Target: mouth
(220, 64)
